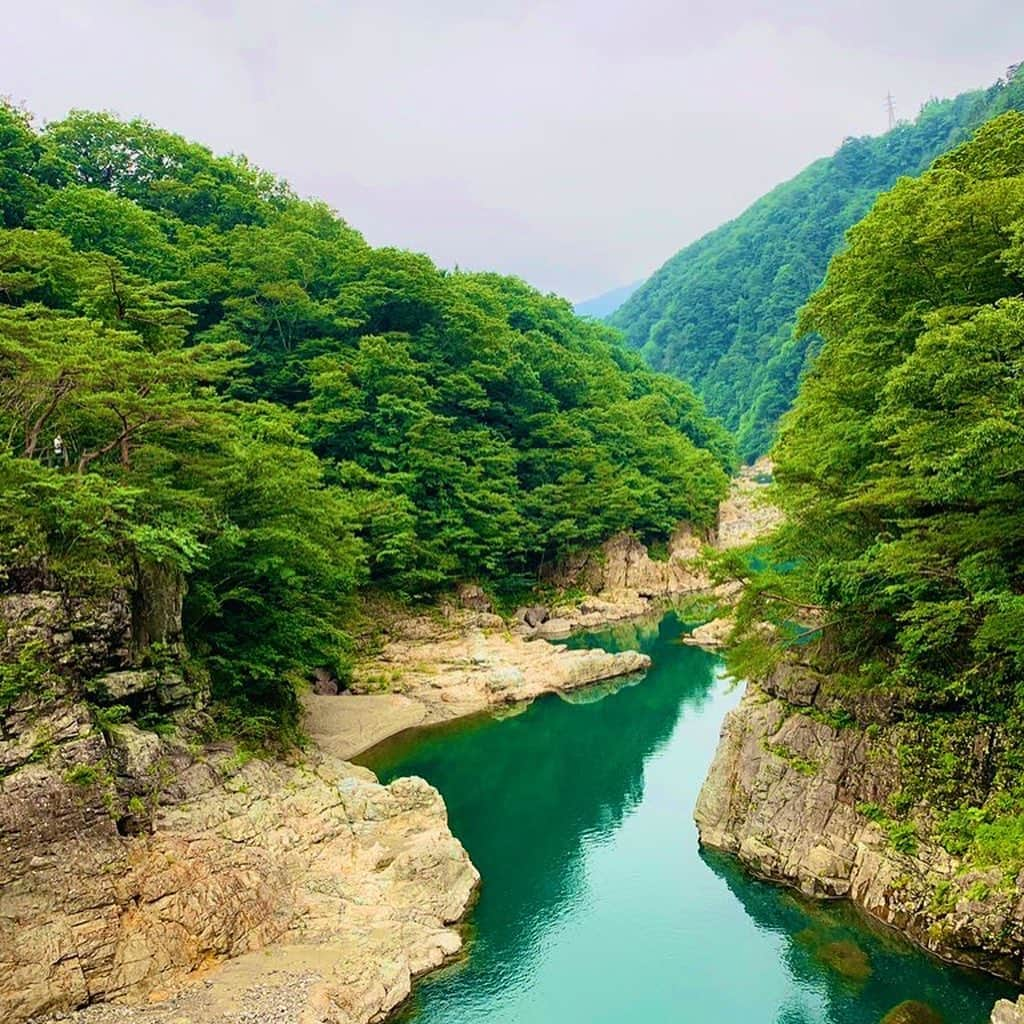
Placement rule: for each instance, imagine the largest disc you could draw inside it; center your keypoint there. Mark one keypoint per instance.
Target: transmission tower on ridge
(890, 105)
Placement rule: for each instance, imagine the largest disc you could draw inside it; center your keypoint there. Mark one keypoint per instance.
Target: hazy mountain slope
(607, 302)
(720, 313)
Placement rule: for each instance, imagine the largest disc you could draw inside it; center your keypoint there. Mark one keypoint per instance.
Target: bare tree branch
(65, 383)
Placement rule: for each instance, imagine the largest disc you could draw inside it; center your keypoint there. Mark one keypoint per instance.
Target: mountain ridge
(720, 312)
(606, 303)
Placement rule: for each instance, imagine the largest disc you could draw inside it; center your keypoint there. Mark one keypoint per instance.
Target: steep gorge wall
(134, 855)
(795, 791)
(623, 566)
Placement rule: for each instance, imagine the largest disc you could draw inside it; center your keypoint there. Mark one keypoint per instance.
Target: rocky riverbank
(436, 669)
(621, 580)
(798, 790)
(326, 892)
(745, 516)
(143, 866)
(148, 876)
(801, 790)
(462, 658)
(135, 862)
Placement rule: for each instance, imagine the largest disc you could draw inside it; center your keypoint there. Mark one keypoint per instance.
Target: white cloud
(577, 144)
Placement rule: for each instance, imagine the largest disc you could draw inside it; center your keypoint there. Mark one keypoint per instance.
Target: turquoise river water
(597, 906)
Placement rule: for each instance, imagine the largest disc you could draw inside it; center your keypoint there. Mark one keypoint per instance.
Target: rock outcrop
(797, 791)
(354, 883)
(714, 634)
(134, 858)
(745, 515)
(434, 672)
(1006, 1012)
(623, 579)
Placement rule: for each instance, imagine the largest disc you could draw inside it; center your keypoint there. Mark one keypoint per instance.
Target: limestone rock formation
(436, 672)
(795, 791)
(623, 565)
(625, 581)
(745, 514)
(131, 861)
(714, 634)
(354, 883)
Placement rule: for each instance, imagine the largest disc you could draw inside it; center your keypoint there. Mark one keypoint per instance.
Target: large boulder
(533, 615)
(713, 634)
(473, 598)
(913, 1012)
(325, 683)
(1006, 1012)
(317, 856)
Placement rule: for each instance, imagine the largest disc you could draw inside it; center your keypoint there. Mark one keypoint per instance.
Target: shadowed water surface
(598, 908)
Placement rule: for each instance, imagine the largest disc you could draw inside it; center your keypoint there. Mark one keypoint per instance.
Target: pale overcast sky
(577, 144)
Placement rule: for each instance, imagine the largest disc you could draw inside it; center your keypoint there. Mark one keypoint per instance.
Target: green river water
(597, 906)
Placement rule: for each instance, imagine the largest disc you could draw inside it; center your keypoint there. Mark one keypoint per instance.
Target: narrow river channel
(597, 906)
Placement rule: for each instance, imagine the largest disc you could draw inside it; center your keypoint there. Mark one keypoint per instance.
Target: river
(597, 906)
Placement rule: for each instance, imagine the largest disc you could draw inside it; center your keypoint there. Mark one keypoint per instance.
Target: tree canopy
(201, 371)
(901, 469)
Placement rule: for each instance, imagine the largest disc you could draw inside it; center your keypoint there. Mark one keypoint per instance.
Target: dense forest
(201, 373)
(901, 470)
(720, 314)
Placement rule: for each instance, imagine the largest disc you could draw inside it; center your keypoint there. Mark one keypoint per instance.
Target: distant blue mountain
(604, 305)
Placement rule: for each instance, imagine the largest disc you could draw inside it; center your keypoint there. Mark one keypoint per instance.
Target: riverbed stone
(714, 634)
(913, 1012)
(533, 615)
(1007, 1012)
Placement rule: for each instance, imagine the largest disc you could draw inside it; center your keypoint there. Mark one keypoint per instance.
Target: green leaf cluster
(901, 471)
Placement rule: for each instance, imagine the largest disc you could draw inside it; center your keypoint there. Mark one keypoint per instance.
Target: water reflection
(529, 795)
(858, 969)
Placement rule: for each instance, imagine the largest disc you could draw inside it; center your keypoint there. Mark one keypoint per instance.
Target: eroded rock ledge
(623, 579)
(133, 860)
(793, 792)
(354, 884)
(434, 671)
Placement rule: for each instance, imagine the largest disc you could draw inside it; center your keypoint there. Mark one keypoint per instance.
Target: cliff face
(625, 580)
(795, 791)
(76, 676)
(134, 856)
(353, 882)
(624, 566)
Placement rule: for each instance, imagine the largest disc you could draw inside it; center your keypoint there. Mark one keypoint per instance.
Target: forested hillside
(901, 468)
(202, 374)
(720, 313)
